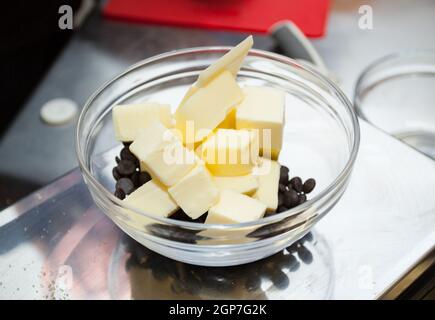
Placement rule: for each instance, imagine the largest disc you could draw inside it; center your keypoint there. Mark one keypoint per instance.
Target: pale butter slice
(268, 173)
(207, 107)
(152, 198)
(263, 109)
(129, 119)
(246, 184)
(231, 62)
(196, 192)
(229, 152)
(162, 154)
(234, 207)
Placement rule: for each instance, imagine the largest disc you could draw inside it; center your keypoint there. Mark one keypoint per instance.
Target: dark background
(31, 40)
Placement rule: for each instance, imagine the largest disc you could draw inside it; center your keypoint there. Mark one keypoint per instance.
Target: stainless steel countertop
(57, 245)
(100, 49)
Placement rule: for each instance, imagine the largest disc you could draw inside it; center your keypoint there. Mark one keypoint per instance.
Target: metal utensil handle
(294, 43)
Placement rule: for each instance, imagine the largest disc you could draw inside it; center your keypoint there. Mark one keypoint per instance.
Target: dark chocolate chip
(135, 179)
(291, 199)
(282, 188)
(144, 177)
(302, 198)
(283, 260)
(283, 174)
(116, 174)
(126, 167)
(305, 255)
(280, 198)
(126, 185)
(309, 185)
(296, 184)
(140, 178)
(308, 237)
(281, 209)
(127, 155)
(202, 218)
(119, 194)
(279, 279)
(180, 215)
(117, 159)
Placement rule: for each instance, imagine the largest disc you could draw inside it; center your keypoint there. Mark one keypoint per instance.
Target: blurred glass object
(397, 94)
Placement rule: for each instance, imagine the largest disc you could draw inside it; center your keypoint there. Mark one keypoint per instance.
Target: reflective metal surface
(56, 244)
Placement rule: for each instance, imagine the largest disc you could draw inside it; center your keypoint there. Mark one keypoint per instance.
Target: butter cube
(246, 184)
(206, 107)
(231, 62)
(128, 120)
(230, 152)
(263, 108)
(230, 120)
(234, 207)
(152, 198)
(268, 174)
(196, 192)
(162, 154)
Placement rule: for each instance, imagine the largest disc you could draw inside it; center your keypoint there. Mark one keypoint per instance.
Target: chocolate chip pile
(291, 192)
(127, 173)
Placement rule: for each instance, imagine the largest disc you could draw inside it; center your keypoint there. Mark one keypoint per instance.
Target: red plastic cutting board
(242, 15)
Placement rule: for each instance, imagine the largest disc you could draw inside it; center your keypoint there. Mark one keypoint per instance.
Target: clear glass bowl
(321, 140)
(396, 94)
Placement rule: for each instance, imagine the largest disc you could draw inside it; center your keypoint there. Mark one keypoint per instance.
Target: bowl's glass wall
(320, 137)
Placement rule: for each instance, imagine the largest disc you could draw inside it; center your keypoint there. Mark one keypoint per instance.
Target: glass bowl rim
(263, 221)
(396, 56)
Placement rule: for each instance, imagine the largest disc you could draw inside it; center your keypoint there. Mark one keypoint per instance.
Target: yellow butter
(268, 173)
(234, 207)
(196, 192)
(162, 154)
(128, 120)
(246, 184)
(231, 62)
(230, 120)
(263, 109)
(152, 198)
(206, 107)
(229, 152)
